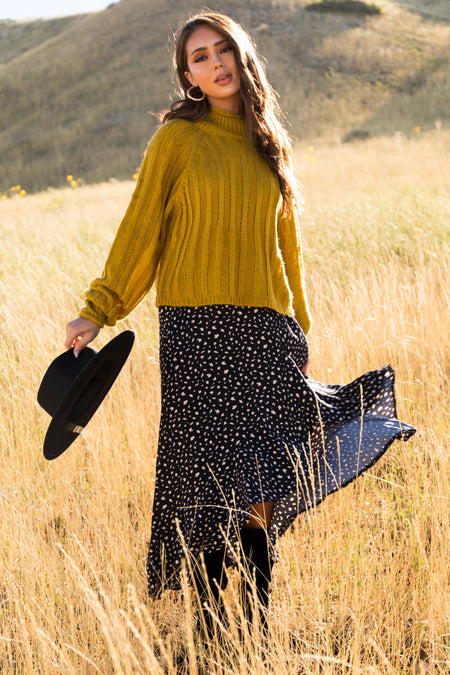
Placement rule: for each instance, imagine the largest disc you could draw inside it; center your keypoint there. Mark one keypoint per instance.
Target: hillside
(75, 92)
(18, 37)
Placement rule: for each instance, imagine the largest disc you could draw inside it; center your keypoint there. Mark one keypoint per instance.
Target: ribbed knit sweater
(205, 221)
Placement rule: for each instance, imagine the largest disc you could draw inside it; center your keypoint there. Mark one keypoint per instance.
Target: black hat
(73, 388)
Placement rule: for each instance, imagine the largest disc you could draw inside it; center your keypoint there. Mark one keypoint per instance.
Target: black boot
(257, 563)
(208, 589)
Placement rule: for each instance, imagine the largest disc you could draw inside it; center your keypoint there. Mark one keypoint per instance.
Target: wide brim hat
(73, 388)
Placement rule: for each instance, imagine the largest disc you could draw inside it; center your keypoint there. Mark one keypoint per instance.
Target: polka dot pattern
(240, 424)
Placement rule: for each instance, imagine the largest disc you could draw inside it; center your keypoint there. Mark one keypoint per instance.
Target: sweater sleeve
(133, 260)
(290, 247)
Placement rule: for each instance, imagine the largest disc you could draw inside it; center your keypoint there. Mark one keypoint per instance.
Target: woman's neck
(233, 104)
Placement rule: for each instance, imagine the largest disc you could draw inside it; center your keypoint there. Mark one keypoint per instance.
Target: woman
(247, 441)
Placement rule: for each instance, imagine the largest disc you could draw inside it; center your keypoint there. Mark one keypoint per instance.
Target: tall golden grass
(362, 584)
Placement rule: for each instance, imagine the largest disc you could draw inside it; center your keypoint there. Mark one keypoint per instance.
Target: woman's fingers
(73, 331)
(79, 333)
(81, 342)
(70, 338)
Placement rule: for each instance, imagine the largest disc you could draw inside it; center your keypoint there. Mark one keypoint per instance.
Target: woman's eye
(203, 57)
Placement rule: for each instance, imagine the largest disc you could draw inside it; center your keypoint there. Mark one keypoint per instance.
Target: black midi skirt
(241, 424)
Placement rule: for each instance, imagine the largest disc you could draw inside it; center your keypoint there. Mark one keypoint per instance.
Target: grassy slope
(437, 10)
(77, 101)
(17, 37)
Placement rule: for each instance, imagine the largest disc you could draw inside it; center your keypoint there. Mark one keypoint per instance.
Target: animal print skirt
(241, 424)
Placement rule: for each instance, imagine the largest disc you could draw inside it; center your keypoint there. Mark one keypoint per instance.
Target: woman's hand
(305, 368)
(79, 333)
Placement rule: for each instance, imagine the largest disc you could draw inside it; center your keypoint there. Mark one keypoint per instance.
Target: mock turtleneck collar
(233, 123)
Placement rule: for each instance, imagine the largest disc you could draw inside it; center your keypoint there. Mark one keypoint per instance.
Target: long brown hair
(263, 115)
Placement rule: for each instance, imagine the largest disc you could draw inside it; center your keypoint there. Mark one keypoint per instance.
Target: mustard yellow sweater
(205, 221)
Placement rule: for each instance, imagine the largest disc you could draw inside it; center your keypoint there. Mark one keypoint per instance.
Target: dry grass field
(363, 581)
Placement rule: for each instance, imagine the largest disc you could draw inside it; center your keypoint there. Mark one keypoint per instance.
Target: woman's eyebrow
(200, 49)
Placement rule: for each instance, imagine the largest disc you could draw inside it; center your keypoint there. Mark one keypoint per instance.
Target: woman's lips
(223, 79)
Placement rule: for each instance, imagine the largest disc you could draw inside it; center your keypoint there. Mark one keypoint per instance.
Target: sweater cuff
(93, 313)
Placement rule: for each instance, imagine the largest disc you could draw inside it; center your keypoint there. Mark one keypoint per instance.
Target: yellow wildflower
(70, 178)
(417, 129)
(23, 193)
(135, 176)
(4, 196)
(73, 183)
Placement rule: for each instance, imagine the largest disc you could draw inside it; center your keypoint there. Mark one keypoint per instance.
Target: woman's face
(213, 67)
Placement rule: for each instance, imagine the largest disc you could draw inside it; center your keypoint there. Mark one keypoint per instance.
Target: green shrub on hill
(344, 7)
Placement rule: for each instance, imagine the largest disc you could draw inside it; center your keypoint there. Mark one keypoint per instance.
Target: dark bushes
(344, 7)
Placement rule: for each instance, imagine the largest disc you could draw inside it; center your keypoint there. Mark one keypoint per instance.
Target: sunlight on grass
(362, 584)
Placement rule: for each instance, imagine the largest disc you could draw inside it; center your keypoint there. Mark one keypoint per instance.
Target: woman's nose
(217, 63)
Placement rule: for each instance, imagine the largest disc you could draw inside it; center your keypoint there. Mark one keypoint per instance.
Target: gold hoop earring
(189, 95)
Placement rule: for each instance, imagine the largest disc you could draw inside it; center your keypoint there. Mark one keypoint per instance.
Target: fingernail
(76, 354)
